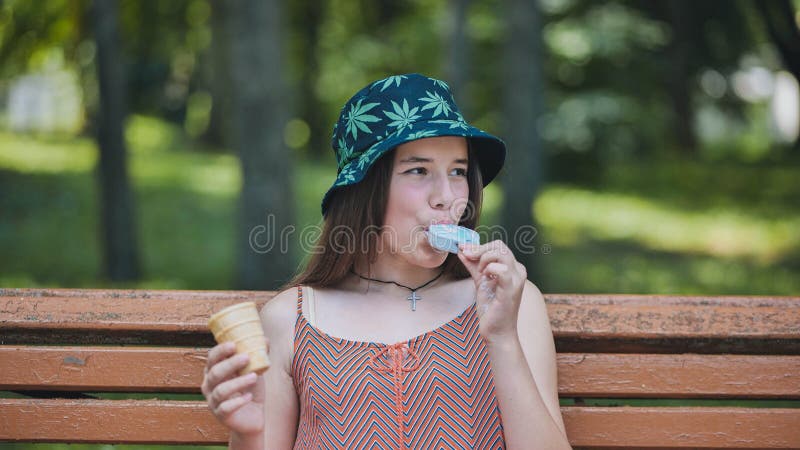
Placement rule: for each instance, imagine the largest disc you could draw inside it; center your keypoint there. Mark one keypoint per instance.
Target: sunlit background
(669, 134)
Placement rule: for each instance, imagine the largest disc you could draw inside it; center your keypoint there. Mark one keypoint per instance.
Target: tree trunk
(458, 64)
(524, 100)
(311, 15)
(121, 260)
(218, 76)
(679, 78)
(259, 110)
(779, 19)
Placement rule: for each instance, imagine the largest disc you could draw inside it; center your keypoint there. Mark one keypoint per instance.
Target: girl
(383, 341)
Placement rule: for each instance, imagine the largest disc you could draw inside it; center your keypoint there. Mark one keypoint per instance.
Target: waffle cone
(241, 325)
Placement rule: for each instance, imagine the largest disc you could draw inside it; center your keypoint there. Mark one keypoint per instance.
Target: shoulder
(278, 317)
(533, 325)
(533, 319)
(279, 308)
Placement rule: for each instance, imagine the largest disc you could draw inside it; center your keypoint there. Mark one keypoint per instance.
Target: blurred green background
(662, 137)
(666, 144)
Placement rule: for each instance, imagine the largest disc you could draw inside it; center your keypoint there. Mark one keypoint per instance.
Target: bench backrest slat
(163, 369)
(188, 422)
(625, 323)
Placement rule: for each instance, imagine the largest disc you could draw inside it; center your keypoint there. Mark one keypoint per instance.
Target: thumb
(472, 266)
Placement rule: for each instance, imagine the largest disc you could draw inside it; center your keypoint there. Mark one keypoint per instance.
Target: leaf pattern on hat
(437, 103)
(441, 84)
(396, 79)
(453, 123)
(368, 156)
(420, 134)
(357, 118)
(346, 176)
(403, 117)
(344, 152)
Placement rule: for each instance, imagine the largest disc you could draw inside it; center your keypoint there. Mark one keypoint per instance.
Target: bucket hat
(399, 109)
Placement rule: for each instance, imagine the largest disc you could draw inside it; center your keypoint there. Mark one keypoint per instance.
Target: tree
(523, 106)
(307, 20)
(217, 77)
(117, 204)
(457, 70)
(259, 112)
(779, 19)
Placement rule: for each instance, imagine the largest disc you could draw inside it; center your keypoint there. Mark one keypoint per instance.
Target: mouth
(440, 222)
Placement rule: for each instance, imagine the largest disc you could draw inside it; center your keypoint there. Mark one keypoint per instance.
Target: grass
(670, 227)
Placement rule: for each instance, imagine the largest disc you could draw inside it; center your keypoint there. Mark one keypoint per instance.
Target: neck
(397, 271)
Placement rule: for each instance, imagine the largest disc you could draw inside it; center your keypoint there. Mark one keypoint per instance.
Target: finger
(231, 388)
(500, 272)
(226, 369)
(228, 407)
(220, 352)
(521, 270)
(472, 251)
(496, 255)
(471, 266)
(215, 355)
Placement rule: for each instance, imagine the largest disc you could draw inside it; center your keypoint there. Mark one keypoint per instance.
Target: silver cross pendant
(414, 297)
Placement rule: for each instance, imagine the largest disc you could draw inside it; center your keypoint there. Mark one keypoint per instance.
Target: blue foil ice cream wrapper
(447, 237)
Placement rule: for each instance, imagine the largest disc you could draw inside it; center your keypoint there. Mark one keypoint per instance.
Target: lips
(440, 222)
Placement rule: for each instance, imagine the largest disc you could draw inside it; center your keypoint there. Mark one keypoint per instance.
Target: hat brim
(490, 151)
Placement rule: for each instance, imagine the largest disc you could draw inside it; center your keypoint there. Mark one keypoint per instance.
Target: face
(428, 185)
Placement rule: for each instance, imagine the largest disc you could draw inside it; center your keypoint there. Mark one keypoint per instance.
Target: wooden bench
(85, 364)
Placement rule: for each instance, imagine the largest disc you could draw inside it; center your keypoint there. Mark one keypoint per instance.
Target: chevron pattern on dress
(434, 391)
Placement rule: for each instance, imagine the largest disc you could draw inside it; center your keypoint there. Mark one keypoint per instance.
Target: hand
(236, 401)
(499, 281)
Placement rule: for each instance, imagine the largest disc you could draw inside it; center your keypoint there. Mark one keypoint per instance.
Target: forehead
(434, 148)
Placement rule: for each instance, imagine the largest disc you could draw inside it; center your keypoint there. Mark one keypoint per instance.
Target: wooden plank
(675, 324)
(110, 421)
(678, 376)
(109, 309)
(113, 317)
(591, 323)
(682, 427)
(102, 369)
(154, 369)
(140, 294)
(170, 422)
(695, 318)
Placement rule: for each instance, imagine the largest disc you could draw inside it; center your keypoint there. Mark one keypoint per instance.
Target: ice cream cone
(241, 325)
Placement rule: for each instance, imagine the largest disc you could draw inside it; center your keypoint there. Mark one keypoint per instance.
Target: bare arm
(281, 407)
(261, 412)
(515, 327)
(526, 381)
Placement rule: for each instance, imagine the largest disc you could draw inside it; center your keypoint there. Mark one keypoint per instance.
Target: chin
(429, 258)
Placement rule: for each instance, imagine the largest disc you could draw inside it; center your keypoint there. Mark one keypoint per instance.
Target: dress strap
(299, 300)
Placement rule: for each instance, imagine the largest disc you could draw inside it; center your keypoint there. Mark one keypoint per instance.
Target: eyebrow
(418, 159)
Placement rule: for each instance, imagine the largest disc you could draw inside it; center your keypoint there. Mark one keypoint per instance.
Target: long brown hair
(354, 221)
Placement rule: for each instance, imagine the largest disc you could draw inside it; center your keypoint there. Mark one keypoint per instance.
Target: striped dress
(433, 391)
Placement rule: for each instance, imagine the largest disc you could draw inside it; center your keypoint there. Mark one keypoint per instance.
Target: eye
(459, 172)
(417, 171)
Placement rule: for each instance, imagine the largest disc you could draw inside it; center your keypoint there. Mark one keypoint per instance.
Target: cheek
(404, 197)
(461, 192)
(402, 207)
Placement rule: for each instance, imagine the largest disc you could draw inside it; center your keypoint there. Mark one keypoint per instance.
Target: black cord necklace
(413, 297)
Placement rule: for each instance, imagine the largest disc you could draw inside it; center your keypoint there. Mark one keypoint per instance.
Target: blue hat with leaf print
(399, 109)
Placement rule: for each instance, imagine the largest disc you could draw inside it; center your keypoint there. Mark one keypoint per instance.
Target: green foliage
(640, 228)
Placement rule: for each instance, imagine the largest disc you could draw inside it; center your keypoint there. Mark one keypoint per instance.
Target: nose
(442, 195)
